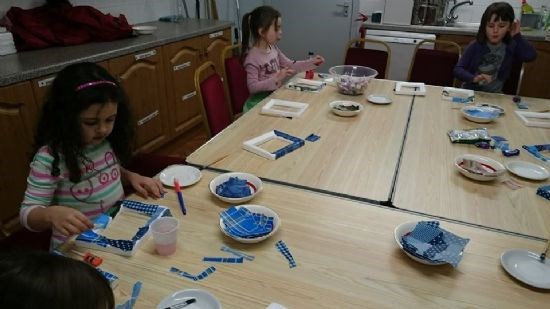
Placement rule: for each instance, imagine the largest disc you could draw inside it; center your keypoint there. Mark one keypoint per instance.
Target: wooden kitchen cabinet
(141, 75)
(41, 85)
(535, 73)
(18, 119)
(181, 59)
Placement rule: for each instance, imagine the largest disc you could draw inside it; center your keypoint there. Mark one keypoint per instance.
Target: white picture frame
(274, 108)
(93, 239)
(407, 88)
(527, 118)
(253, 145)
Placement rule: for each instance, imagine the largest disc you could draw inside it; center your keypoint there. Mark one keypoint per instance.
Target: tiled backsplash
(465, 13)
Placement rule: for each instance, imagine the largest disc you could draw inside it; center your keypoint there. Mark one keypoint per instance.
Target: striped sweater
(99, 188)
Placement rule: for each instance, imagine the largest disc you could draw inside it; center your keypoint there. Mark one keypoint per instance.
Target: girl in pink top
(265, 64)
(83, 135)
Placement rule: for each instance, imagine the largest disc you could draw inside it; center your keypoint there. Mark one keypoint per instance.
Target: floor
(185, 144)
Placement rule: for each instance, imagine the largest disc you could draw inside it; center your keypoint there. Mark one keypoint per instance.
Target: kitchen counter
(533, 35)
(31, 64)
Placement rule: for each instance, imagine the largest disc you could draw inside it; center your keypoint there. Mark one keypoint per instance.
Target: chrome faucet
(451, 16)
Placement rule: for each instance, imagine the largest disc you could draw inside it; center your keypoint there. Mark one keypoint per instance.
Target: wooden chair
(378, 59)
(236, 88)
(513, 83)
(434, 66)
(216, 111)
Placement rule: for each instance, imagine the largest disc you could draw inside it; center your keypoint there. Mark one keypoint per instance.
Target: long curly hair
(59, 126)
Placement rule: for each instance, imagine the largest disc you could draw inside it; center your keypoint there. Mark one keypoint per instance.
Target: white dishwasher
(402, 46)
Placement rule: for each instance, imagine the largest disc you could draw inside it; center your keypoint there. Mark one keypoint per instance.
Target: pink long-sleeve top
(262, 65)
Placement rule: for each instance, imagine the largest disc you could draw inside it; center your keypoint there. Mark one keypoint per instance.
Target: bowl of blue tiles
(427, 243)
(249, 223)
(481, 114)
(236, 187)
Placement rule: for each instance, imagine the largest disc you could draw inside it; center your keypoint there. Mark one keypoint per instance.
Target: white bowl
(352, 79)
(254, 180)
(403, 229)
(499, 168)
(144, 29)
(256, 209)
(345, 108)
(481, 114)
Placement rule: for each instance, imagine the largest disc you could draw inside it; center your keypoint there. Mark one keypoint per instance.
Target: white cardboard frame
(252, 145)
(405, 88)
(526, 118)
(270, 108)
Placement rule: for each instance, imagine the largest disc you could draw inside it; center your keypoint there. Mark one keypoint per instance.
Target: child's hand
(514, 28)
(145, 186)
(284, 73)
(483, 79)
(68, 221)
(318, 60)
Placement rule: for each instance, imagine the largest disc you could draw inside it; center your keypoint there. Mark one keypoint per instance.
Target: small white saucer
(379, 99)
(185, 174)
(528, 170)
(526, 267)
(204, 300)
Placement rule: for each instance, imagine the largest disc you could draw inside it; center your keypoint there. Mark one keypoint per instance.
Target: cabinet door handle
(10, 109)
(147, 118)
(45, 82)
(189, 95)
(144, 55)
(215, 34)
(181, 66)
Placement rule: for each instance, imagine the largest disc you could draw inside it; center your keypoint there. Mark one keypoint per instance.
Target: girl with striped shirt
(83, 136)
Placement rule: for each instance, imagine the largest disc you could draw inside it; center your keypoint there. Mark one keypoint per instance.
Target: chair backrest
(377, 59)
(210, 90)
(235, 77)
(513, 84)
(434, 66)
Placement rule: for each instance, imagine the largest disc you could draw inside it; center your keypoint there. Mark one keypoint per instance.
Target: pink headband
(95, 83)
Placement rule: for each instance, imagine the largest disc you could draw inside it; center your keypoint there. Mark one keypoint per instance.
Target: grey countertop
(31, 64)
(533, 35)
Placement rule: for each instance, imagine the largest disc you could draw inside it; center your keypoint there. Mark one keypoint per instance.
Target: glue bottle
(309, 73)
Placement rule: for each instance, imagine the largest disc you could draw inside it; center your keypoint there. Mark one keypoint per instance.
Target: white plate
(526, 267)
(144, 29)
(403, 229)
(528, 170)
(260, 210)
(205, 300)
(254, 180)
(378, 99)
(345, 113)
(186, 175)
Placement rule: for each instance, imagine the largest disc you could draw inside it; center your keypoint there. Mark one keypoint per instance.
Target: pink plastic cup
(165, 234)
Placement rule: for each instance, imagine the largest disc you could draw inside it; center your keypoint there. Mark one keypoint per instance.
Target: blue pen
(180, 196)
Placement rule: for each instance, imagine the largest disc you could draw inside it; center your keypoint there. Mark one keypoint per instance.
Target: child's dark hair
(59, 126)
(34, 279)
(503, 11)
(260, 19)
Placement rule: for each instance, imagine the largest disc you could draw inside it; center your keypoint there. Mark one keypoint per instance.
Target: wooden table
(355, 156)
(429, 183)
(346, 255)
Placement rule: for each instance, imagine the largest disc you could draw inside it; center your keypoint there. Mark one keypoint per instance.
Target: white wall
(138, 11)
(465, 13)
